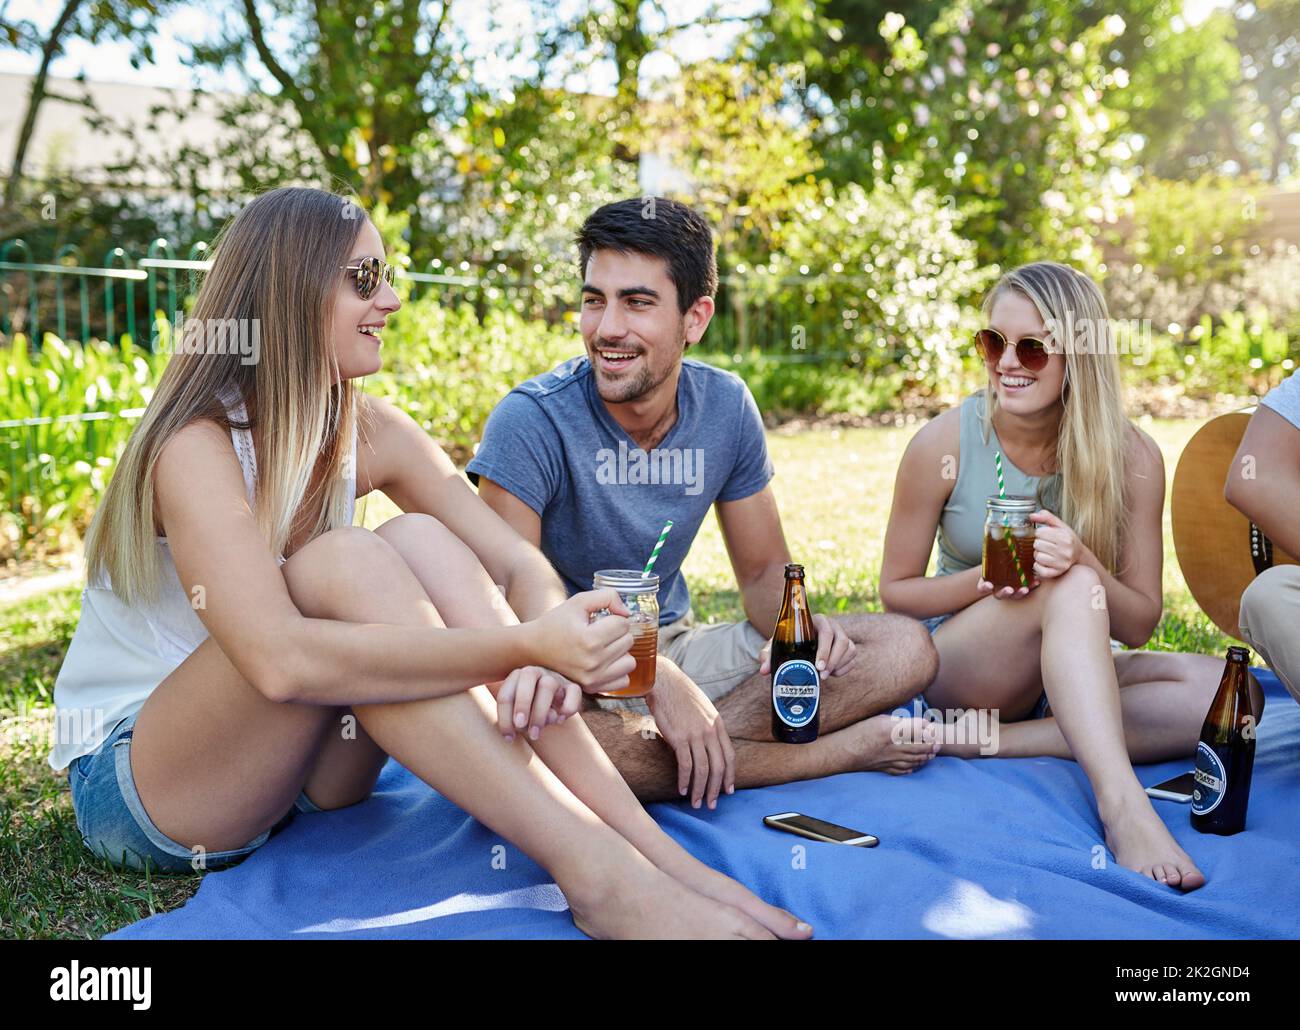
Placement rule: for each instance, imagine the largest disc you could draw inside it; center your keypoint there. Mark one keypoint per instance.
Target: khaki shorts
(717, 656)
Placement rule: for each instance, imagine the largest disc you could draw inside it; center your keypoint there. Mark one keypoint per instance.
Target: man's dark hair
(660, 228)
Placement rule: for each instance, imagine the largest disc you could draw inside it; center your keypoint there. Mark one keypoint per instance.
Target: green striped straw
(1011, 543)
(658, 547)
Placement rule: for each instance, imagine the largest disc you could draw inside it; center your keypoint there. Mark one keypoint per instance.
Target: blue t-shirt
(603, 501)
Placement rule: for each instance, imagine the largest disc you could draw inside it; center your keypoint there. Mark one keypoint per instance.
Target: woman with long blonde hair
(1044, 654)
(244, 653)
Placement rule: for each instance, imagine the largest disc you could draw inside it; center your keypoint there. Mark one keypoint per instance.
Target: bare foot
(699, 877)
(886, 743)
(641, 902)
(1141, 842)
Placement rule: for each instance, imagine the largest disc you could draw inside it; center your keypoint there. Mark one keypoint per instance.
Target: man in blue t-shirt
(590, 460)
(1270, 497)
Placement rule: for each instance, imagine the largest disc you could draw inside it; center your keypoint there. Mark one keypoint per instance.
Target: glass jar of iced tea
(640, 594)
(1009, 542)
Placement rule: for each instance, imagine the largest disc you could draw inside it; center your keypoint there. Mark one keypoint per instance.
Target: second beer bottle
(1225, 755)
(796, 686)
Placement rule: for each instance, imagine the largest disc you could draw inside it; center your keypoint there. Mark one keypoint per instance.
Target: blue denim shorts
(115, 826)
(918, 705)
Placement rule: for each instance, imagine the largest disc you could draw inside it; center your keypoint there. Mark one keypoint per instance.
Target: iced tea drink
(640, 594)
(1009, 542)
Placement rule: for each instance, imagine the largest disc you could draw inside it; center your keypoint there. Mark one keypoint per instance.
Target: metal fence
(76, 301)
(124, 293)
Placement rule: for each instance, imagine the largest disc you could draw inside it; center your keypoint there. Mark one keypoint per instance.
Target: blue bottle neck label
(796, 692)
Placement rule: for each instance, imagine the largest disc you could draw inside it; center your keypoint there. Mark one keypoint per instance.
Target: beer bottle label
(1211, 780)
(796, 692)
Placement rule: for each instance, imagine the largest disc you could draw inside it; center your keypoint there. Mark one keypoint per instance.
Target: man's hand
(836, 650)
(692, 727)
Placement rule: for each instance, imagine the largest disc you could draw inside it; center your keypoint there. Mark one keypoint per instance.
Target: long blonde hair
(1091, 446)
(278, 262)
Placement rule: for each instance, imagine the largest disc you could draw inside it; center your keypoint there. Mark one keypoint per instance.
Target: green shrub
(1239, 354)
(1188, 231)
(444, 366)
(883, 276)
(448, 369)
(52, 473)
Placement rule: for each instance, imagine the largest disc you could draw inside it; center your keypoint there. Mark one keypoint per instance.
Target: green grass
(50, 885)
(834, 488)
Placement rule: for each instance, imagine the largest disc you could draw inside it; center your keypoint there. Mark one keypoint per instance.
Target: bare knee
(338, 565)
(1079, 588)
(437, 556)
(414, 527)
(917, 653)
(907, 642)
(1269, 603)
(1203, 672)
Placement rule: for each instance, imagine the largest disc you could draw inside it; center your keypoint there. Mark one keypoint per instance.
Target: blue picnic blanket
(1003, 848)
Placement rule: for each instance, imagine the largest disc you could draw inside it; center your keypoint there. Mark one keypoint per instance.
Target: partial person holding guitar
(1264, 485)
(1051, 426)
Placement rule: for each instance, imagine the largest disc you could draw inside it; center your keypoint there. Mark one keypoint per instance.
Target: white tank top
(119, 653)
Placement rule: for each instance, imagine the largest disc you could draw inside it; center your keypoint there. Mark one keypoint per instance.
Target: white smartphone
(819, 829)
(1178, 789)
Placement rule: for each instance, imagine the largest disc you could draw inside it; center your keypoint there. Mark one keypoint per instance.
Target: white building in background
(69, 140)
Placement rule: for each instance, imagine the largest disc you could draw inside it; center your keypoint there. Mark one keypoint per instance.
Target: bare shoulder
(199, 442)
(393, 449)
(1144, 457)
(199, 452)
(384, 429)
(376, 416)
(928, 470)
(936, 441)
(943, 432)
(1145, 472)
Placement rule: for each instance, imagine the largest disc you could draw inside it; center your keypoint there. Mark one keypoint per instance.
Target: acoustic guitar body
(1218, 550)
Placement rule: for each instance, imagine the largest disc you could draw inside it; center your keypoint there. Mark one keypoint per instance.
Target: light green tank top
(961, 524)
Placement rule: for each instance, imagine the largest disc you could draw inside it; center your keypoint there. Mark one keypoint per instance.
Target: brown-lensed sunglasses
(1031, 352)
(368, 271)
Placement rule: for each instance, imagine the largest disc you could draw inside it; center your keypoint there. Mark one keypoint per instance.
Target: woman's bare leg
(1060, 628)
(1163, 700)
(202, 778)
(464, 594)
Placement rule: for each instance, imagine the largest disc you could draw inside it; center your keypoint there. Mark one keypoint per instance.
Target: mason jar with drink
(1009, 542)
(639, 592)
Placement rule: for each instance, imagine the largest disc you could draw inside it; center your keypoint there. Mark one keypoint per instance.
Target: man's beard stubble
(641, 385)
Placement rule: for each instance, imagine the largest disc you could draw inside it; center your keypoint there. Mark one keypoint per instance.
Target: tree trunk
(48, 52)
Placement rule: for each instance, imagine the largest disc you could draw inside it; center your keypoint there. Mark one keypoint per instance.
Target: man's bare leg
(896, 660)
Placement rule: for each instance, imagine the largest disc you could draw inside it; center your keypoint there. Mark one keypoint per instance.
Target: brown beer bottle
(796, 685)
(1225, 755)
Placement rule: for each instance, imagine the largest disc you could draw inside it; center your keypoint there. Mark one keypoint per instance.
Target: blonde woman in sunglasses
(1043, 652)
(244, 653)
